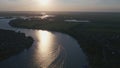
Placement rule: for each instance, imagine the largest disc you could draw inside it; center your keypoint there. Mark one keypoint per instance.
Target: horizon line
(61, 11)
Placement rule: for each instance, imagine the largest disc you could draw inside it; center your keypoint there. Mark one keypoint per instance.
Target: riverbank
(12, 43)
(99, 41)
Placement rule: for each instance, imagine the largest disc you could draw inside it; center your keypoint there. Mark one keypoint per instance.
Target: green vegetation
(38, 24)
(12, 43)
(99, 39)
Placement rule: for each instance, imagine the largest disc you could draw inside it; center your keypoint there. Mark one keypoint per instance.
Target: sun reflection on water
(47, 50)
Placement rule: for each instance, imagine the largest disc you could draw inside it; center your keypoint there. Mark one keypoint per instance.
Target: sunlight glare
(44, 2)
(46, 52)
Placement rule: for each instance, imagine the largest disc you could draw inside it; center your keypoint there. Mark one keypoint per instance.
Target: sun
(44, 2)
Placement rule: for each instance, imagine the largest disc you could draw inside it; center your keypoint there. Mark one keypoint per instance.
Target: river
(49, 50)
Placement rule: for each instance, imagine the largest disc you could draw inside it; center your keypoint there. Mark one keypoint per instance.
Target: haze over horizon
(60, 5)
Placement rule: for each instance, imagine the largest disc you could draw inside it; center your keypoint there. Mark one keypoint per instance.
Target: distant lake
(49, 50)
(74, 20)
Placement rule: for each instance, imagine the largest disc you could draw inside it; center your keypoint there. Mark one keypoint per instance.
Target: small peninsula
(12, 43)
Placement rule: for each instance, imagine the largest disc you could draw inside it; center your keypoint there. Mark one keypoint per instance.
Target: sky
(60, 5)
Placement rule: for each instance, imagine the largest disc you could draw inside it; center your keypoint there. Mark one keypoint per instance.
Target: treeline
(12, 43)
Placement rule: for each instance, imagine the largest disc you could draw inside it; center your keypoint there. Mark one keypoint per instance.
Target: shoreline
(12, 43)
(97, 45)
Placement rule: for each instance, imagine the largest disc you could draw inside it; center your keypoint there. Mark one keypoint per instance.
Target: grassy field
(99, 38)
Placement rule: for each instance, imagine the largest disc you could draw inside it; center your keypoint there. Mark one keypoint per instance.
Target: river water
(49, 50)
